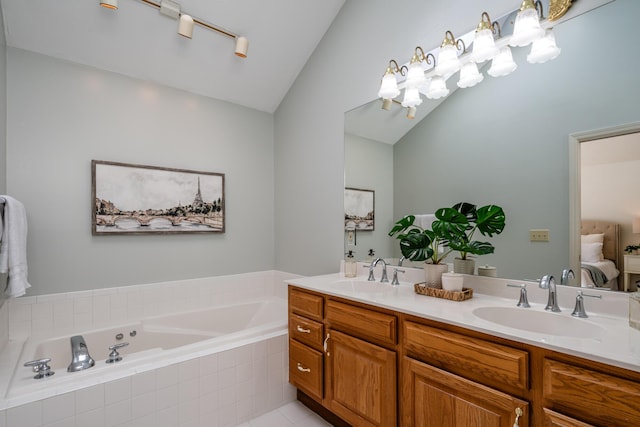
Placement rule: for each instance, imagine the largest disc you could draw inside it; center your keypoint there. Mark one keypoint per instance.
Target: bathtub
(153, 342)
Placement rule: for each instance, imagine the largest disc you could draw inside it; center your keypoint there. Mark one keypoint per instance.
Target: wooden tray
(464, 294)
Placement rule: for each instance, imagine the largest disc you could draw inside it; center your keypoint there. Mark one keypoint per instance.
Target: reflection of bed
(599, 269)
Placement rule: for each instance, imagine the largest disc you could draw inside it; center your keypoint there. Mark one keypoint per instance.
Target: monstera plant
(458, 225)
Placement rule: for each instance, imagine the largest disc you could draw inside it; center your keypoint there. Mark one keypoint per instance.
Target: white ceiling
(136, 40)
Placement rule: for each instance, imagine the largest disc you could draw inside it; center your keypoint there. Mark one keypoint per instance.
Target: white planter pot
(464, 266)
(452, 282)
(433, 275)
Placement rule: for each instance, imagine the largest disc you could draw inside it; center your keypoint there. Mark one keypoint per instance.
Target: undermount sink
(541, 322)
(363, 286)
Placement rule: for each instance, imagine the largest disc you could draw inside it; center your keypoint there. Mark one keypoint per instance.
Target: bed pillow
(591, 252)
(592, 238)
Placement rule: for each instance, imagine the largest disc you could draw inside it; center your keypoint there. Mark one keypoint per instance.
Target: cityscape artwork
(359, 209)
(136, 199)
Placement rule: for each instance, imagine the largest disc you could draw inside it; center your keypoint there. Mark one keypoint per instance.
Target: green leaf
(491, 220)
(415, 245)
(402, 225)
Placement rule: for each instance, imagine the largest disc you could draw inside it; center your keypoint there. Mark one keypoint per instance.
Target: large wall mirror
(504, 141)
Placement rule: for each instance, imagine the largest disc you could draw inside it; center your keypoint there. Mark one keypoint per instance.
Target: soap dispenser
(350, 265)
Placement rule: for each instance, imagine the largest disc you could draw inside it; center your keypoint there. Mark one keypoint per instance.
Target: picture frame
(139, 199)
(359, 209)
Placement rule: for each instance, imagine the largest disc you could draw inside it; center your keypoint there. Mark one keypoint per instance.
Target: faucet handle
(114, 356)
(395, 281)
(523, 301)
(41, 367)
(579, 310)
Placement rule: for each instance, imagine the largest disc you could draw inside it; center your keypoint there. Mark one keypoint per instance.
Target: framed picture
(136, 199)
(359, 209)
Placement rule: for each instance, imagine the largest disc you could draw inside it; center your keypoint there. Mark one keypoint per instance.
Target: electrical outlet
(351, 238)
(539, 235)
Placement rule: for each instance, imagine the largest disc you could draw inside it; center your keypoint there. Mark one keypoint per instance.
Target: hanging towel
(424, 220)
(13, 246)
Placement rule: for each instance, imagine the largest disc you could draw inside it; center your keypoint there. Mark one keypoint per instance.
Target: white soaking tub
(153, 342)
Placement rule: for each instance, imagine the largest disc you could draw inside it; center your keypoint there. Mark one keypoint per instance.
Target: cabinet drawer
(305, 369)
(554, 419)
(306, 331)
(370, 325)
(305, 304)
(499, 366)
(589, 395)
(632, 263)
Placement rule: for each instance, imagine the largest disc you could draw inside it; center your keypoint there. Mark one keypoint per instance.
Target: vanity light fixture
(186, 22)
(389, 86)
(527, 26)
(448, 62)
(109, 4)
(489, 44)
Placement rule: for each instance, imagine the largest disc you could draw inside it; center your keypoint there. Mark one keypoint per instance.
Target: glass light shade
(411, 113)
(389, 87)
(469, 75)
(484, 47)
(411, 97)
(448, 62)
(543, 49)
(526, 28)
(109, 4)
(415, 75)
(502, 64)
(437, 88)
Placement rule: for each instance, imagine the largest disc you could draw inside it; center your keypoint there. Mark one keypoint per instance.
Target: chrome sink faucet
(80, 358)
(384, 277)
(567, 274)
(548, 282)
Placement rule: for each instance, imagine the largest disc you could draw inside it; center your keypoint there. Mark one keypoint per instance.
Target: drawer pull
(326, 345)
(303, 330)
(303, 369)
(519, 413)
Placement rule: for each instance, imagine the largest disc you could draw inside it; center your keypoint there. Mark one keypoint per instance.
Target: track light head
(242, 46)
(185, 26)
(109, 4)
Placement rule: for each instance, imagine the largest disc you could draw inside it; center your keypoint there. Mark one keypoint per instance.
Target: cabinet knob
(303, 330)
(303, 369)
(519, 413)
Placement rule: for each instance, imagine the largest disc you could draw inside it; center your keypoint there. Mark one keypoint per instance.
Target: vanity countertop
(617, 343)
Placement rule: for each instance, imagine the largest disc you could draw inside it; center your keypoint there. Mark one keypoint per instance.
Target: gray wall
(3, 107)
(371, 168)
(516, 131)
(62, 115)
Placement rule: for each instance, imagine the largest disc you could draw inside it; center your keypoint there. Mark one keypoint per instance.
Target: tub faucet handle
(114, 356)
(41, 367)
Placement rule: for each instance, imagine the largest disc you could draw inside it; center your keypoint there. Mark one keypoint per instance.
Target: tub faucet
(375, 262)
(548, 282)
(80, 358)
(567, 274)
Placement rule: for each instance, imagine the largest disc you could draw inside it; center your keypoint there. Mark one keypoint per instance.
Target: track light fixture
(186, 22)
(185, 25)
(109, 4)
(488, 45)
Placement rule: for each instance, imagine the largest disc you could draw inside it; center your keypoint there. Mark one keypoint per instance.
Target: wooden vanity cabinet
(343, 355)
(451, 379)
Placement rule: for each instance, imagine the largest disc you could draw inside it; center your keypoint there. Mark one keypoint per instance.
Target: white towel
(13, 247)
(424, 220)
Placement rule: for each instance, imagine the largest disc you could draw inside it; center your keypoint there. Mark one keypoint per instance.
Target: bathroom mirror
(504, 141)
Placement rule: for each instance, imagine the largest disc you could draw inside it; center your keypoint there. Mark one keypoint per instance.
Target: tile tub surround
(99, 308)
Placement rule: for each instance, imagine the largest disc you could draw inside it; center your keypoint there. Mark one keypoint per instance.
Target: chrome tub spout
(80, 358)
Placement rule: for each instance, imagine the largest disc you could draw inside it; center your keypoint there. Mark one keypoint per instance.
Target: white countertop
(618, 345)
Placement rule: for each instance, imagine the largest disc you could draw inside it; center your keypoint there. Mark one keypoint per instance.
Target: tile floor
(293, 414)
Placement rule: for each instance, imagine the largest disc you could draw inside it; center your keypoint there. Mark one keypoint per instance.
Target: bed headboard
(611, 230)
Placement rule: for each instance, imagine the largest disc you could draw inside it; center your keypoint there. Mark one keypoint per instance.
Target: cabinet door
(435, 398)
(553, 419)
(360, 381)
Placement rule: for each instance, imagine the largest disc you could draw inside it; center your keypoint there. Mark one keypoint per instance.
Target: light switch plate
(539, 235)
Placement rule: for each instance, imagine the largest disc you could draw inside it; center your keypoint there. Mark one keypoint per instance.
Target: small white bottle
(350, 265)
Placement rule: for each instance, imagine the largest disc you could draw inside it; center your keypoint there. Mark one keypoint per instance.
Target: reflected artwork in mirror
(504, 142)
